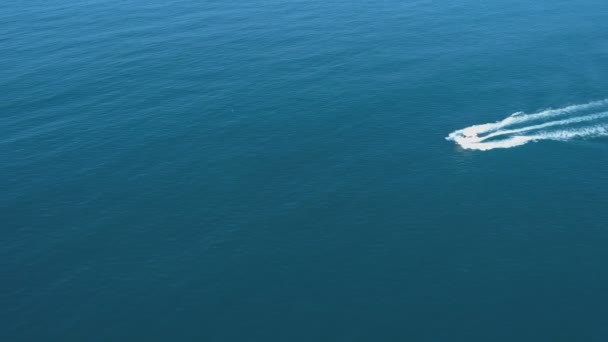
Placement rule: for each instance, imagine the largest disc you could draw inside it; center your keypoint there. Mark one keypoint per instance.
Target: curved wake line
(563, 122)
(498, 135)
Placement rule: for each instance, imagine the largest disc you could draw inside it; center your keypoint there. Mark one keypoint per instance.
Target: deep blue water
(277, 171)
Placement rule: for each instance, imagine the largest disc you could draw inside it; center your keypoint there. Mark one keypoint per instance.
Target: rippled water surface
(277, 171)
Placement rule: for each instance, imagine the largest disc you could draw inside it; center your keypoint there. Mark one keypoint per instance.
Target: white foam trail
(495, 135)
(565, 135)
(520, 117)
(563, 122)
(518, 140)
(486, 146)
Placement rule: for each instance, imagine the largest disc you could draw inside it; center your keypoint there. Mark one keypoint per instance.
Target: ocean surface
(279, 170)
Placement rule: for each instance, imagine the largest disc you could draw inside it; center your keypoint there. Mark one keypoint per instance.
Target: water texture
(278, 170)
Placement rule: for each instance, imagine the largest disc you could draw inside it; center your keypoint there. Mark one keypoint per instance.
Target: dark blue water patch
(278, 171)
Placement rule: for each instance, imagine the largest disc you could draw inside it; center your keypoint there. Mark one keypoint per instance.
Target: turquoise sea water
(277, 171)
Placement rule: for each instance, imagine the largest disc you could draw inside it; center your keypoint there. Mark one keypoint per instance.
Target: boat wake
(577, 121)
